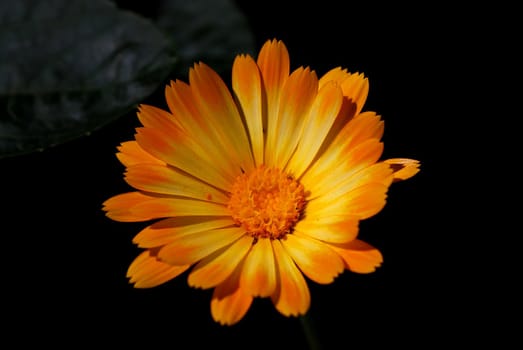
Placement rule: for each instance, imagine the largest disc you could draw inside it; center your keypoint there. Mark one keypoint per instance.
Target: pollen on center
(267, 202)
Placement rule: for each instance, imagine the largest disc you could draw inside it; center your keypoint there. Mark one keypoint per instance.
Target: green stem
(310, 331)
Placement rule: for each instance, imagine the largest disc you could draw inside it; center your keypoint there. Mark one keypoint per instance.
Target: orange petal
(218, 266)
(156, 118)
(345, 115)
(168, 180)
(359, 130)
(359, 256)
(147, 271)
(356, 88)
(363, 202)
(247, 84)
(165, 231)
(188, 249)
(321, 117)
(163, 207)
(354, 85)
(119, 207)
(403, 168)
(258, 276)
(297, 95)
(321, 181)
(179, 150)
(364, 126)
(292, 297)
(274, 64)
(181, 102)
(130, 153)
(314, 258)
(375, 173)
(333, 228)
(214, 100)
(229, 302)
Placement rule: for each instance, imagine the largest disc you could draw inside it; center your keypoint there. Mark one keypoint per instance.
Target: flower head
(256, 191)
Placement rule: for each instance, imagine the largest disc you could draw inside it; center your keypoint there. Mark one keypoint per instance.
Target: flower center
(266, 202)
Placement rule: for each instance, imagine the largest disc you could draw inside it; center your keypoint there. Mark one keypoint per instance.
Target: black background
(64, 262)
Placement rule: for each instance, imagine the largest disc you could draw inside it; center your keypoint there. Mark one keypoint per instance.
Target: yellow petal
(181, 102)
(130, 153)
(297, 95)
(321, 117)
(163, 207)
(403, 168)
(180, 151)
(292, 297)
(188, 249)
(229, 302)
(147, 271)
(359, 256)
(247, 85)
(218, 266)
(354, 85)
(119, 207)
(258, 276)
(165, 231)
(214, 100)
(168, 180)
(274, 64)
(314, 258)
(332, 228)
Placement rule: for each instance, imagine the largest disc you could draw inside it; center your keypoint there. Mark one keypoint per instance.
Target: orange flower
(259, 190)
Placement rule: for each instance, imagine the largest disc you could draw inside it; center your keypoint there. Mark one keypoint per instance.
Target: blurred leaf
(213, 32)
(69, 67)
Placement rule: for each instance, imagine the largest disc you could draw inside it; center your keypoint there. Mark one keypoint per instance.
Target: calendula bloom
(256, 192)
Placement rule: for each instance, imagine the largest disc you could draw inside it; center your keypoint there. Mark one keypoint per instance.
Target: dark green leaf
(213, 32)
(69, 67)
